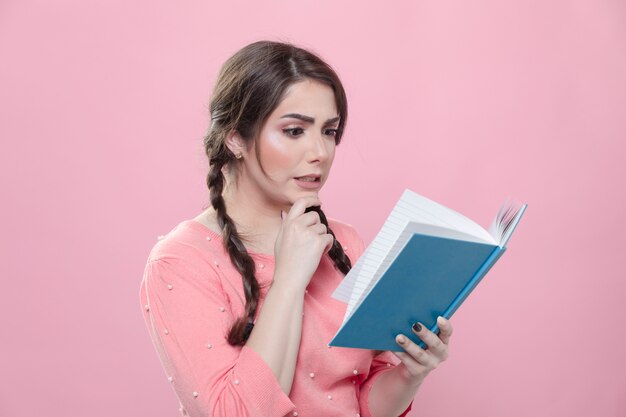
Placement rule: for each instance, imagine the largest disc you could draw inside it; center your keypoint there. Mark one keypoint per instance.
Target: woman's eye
(330, 132)
(293, 131)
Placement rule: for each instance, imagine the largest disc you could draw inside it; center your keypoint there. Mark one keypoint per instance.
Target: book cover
(423, 264)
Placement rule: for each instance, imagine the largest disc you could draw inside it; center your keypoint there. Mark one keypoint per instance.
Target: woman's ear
(235, 144)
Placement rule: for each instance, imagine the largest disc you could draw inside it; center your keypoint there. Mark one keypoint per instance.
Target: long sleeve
(188, 316)
(380, 364)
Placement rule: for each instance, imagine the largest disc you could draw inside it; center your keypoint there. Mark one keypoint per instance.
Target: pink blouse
(190, 295)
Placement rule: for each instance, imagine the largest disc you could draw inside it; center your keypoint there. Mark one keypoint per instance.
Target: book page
(357, 280)
(344, 290)
(376, 253)
(506, 221)
(422, 210)
(511, 224)
(381, 267)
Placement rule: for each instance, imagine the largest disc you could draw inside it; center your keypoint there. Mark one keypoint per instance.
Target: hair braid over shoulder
(239, 256)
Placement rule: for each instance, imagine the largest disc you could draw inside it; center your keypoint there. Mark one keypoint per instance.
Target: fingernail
(441, 320)
(400, 339)
(417, 327)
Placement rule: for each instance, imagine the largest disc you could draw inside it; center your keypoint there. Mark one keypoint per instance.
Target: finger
(302, 204)
(310, 218)
(330, 240)
(404, 358)
(410, 362)
(434, 343)
(414, 367)
(445, 329)
(306, 219)
(319, 228)
(415, 352)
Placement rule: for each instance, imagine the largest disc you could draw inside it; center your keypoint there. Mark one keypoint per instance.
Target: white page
(369, 282)
(519, 211)
(377, 250)
(509, 214)
(344, 289)
(422, 210)
(495, 224)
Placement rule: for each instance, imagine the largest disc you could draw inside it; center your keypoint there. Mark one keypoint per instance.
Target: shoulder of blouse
(185, 255)
(187, 252)
(342, 229)
(186, 242)
(347, 235)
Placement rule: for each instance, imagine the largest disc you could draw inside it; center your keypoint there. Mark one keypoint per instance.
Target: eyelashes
(294, 132)
(330, 132)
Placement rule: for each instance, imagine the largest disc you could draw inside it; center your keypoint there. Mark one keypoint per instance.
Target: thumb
(330, 244)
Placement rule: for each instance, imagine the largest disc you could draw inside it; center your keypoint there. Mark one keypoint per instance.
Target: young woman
(238, 300)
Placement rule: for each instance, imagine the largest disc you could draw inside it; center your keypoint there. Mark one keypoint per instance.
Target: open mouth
(309, 179)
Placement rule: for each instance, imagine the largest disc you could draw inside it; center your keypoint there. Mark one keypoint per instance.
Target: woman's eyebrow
(308, 119)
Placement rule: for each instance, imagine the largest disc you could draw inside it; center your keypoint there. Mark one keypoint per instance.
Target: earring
(238, 156)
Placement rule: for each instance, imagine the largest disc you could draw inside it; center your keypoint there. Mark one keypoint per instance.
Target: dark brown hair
(249, 87)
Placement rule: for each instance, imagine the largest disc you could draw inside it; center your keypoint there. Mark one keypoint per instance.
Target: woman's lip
(309, 185)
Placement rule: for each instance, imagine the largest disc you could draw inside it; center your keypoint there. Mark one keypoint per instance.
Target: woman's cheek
(276, 154)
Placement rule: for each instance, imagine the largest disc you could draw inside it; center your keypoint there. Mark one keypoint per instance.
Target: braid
(336, 252)
(240, 331)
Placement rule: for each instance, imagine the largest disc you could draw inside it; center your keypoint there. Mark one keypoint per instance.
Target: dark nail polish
(417, 327)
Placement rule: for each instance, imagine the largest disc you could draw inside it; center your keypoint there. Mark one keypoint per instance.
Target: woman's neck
(257, 222)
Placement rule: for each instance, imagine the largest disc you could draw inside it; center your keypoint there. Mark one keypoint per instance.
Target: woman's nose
(318, 149)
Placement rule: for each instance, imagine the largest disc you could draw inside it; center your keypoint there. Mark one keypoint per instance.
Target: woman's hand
(417, 362)
(300, 244)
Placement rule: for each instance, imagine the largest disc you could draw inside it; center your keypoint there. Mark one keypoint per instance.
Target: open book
(423, 263)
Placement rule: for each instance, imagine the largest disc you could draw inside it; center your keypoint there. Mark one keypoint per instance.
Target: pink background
(102, 109)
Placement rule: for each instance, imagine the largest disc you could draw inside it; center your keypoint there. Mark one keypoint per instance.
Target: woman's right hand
(300, 244)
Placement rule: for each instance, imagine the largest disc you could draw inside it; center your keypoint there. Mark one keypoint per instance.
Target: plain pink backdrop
(103, 106)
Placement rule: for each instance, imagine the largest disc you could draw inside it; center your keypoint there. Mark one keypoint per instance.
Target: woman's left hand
(417, 362)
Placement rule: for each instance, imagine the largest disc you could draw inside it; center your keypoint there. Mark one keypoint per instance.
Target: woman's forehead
(309, 98)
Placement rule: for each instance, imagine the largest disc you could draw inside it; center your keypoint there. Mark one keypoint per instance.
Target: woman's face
(296, 146)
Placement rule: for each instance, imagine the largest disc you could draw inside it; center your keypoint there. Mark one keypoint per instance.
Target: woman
(237, 300)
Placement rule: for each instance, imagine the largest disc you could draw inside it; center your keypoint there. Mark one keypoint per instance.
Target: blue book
(423, 263)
